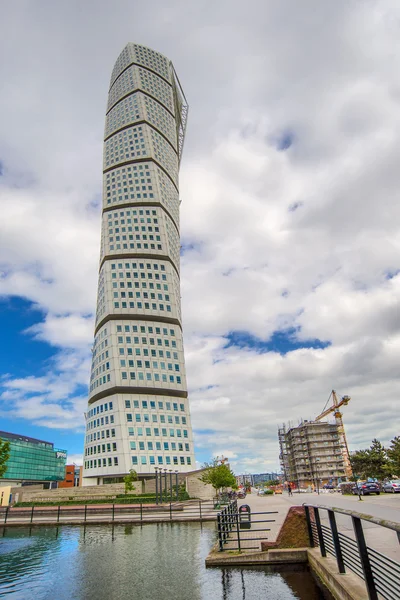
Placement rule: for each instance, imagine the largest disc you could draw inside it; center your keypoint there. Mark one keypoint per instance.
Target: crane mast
(335, 409)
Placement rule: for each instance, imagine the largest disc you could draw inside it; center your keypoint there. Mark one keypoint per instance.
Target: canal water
(153, 562)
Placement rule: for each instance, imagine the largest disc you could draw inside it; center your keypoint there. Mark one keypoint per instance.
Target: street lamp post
(176, 480)
(170, 484)
(166, 488)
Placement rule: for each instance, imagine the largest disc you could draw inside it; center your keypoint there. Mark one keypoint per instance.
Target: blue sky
(289, 217)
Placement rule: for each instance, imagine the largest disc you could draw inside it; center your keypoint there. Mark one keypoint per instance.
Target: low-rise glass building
(33, 460)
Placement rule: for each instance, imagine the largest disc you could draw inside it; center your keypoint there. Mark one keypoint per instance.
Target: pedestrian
(289, 489)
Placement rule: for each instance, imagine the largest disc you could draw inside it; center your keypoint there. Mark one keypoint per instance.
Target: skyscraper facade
(138, 410)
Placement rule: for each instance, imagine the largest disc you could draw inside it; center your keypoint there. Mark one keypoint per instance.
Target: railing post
(141, 511)
(320, 533)
(309, 528)
(170, 511)
(219, 529)
(113, 510)
(6, 515)
(84, 520)
(200, 510)
(238, 532)
(365, 562)
(336, 542)
(32, 513)
(58, 514)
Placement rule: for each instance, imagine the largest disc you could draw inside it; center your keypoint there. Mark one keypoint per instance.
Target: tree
(393, 453)
(372, 462)
(272, 482)
(378, 460)
(128, 481)
(4, 456)
(218, 475)
(360, 463)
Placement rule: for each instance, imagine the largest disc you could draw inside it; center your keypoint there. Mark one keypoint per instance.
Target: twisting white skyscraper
(138, 410)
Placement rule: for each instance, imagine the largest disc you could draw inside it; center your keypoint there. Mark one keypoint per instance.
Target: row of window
(144, 295)
(89, 464)
(143, 305)
(137, 285)
(151, 461)
(101, 407)
(145, 418)
(144, 340)
(107, 448)
(107, 420)
(130, 363)
(100, 422)
(146, 431)
(101, 449)
(139, 376)
(128, 174)
(134, 266)
(148, 329)
(104, 434)
(143, 460)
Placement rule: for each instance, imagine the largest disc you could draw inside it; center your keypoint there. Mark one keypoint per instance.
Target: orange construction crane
(334, 408)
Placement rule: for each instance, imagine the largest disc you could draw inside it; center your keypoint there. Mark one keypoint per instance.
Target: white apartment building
(138, 409)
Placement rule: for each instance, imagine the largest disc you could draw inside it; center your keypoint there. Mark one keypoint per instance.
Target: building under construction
(315, 452)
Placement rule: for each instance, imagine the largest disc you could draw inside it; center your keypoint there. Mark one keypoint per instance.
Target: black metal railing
(195, 510)
(380, 572)
(230, 533)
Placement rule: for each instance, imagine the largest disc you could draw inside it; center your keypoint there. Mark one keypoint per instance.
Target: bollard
(245, 517)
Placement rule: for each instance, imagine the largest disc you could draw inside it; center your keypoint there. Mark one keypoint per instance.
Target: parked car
(329, 486)
(392, 486)
(241, 494)
(366, 488)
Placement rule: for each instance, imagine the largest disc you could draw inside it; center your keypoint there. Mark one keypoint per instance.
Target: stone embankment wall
(194, 487)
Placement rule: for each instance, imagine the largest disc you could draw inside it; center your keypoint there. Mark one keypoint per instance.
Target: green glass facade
(33, 460)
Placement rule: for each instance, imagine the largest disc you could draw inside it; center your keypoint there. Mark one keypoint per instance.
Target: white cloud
(75, 459)
(326, 75)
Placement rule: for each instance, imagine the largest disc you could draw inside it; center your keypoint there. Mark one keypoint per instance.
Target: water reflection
(129, 561)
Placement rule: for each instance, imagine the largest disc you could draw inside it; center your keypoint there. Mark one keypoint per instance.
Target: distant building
(256, 478)
(264, 477)
(73, 477)
(33, 461)
(312, 454)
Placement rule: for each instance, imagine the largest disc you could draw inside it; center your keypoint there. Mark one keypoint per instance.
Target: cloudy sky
(290, 212)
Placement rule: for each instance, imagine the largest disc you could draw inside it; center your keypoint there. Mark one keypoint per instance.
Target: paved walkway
(104, 513)
(385, 506)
